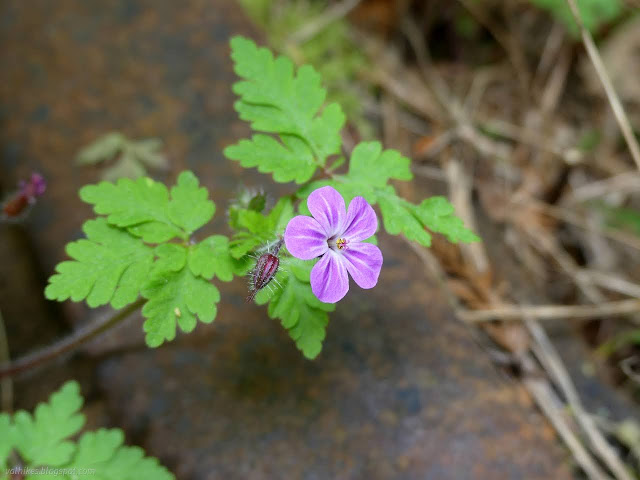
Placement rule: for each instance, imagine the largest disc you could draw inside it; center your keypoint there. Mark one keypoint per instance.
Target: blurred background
(518, 357)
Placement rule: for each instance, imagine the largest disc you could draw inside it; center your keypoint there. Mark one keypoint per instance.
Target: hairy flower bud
(265, 270)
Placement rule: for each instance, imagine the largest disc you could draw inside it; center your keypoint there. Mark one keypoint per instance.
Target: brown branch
(67, 344)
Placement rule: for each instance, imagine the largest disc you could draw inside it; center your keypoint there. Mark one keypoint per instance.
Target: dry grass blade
(614, 100)
(554, 410)
(549, 358)
(551, 312)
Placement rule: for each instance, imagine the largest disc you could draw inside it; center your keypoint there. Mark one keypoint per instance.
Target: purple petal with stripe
(329, 279)
(363, 262)
(305, 238)
(327, 207)
(361, 222)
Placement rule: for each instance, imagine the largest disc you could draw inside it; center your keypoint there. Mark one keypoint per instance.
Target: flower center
(337, 243)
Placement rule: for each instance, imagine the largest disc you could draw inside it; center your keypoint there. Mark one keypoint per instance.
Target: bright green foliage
(256, 228)
(438, 215)
(190, 207)
(333, 51)
(276, 99)
(373, 167)
(114, 265)
(144, 208)
(132, 157)
(594, 13)
(370, 170)
(211, 258)
(300, 312)
(42, 441)
(176, 297)
(109, 266)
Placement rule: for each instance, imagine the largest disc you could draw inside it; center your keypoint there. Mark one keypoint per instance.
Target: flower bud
(262, 274)
(25, 196)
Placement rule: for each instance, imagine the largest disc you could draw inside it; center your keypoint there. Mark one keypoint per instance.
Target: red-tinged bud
(264, 271)
(15, 206)
(25, 196)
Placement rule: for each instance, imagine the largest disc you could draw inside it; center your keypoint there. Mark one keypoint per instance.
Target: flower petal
(363, 261)
(361, 221)
(329, 279)
(305, 238)
(327, 207)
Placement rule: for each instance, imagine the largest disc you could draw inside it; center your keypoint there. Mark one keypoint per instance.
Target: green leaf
(300, 312)
(6, 440)
(41, 439)
(140, 206)
(211, 258)
(371, 166)
(256, 228)
(109, 266)
(104, 452)
(438, 215)
(276, 99)
(176, 297)
(289, 161)
(190, 207)
(399, 217)
(144, 208)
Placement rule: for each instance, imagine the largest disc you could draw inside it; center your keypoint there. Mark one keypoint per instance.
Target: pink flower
(336, 236)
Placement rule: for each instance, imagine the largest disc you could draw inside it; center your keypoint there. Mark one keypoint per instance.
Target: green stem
(67, 344)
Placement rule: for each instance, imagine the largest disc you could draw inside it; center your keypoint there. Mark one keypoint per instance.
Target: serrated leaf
(176, 298)
(109, 266)
(276, 99)
(289, 161)
(211, 258)
(300, 312)
(140, 206)
(371, 166)
(190, 207)
(398, 217)
(41, 439)
(438, 215)
(103, 451)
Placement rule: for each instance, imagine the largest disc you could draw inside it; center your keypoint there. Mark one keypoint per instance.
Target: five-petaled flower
(336, 236)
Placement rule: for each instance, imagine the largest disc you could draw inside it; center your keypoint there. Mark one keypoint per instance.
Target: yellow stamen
(341, 243)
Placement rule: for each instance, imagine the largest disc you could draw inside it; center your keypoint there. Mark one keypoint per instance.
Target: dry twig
(551, 312)
(614, 100)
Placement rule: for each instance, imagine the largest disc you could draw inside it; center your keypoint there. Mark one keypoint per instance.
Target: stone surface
(400, 390)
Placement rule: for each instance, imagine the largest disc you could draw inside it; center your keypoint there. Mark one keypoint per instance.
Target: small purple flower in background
(336, 236)
(25, 196)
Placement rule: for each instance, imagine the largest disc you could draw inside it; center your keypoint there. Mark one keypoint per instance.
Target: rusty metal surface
(400, 390)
